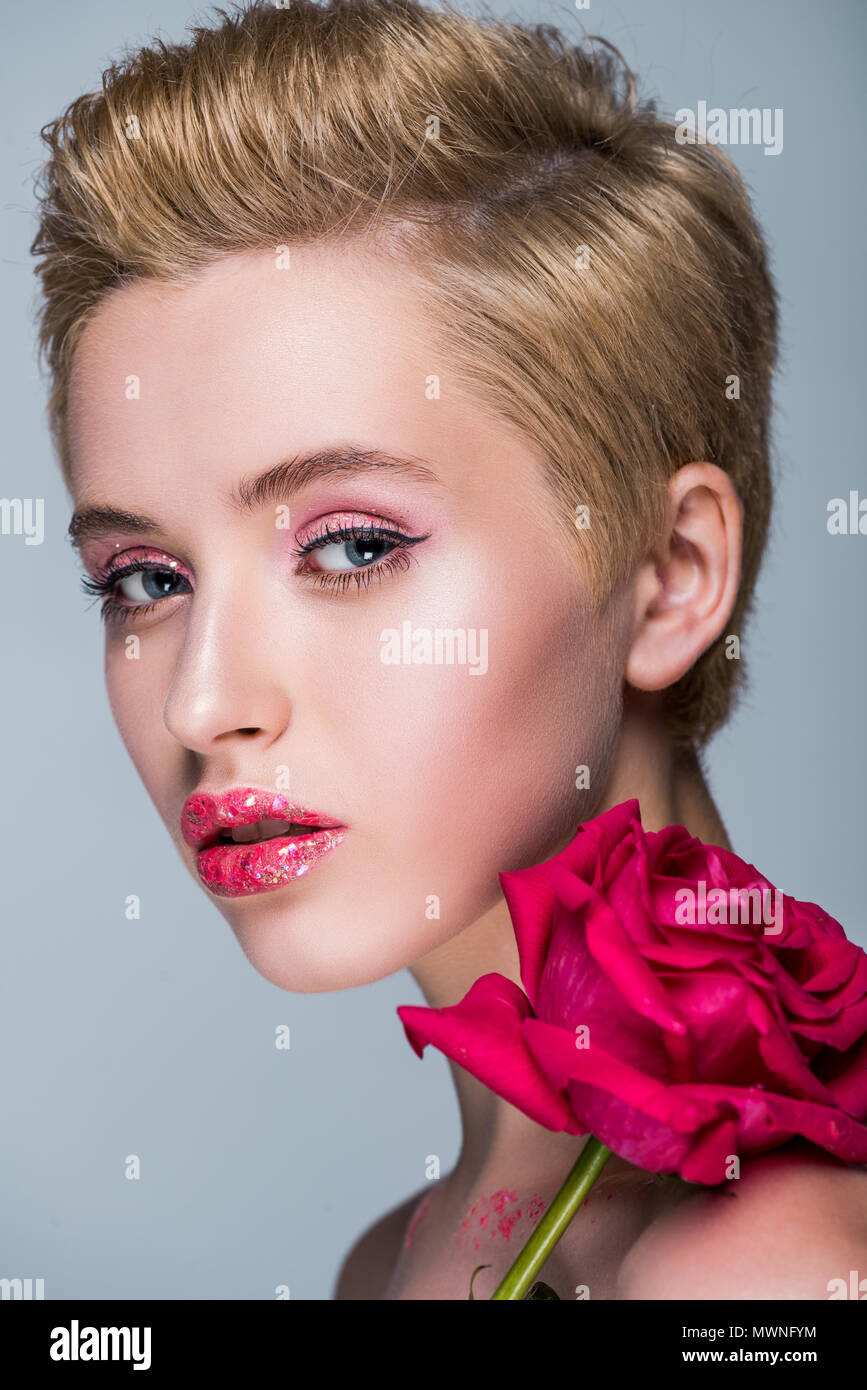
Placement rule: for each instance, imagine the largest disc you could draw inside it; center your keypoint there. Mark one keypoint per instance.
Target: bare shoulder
(793, 1223)
(367, 1267)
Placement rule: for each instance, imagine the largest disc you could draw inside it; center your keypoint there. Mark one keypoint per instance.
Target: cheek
(128, 683)
(447, 779)
(482, 765)
(136, 681)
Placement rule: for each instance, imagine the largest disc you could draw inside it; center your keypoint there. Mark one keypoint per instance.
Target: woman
(412, 381)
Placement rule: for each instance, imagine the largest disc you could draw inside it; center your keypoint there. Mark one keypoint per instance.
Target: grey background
(155, 1037)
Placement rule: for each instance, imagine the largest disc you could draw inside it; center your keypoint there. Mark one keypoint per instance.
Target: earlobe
(686, 588)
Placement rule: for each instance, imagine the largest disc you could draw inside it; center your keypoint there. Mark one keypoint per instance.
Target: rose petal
(530, 897)
(483, 1035)
(617, 955)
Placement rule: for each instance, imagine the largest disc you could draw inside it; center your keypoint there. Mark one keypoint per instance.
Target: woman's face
(242, 663)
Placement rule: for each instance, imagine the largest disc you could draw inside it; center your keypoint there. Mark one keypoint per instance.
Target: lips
(279, 840)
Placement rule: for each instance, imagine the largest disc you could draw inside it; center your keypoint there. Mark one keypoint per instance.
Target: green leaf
(540, 1290)
(472, 1297)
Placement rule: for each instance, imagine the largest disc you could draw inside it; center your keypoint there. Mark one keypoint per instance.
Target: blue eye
(142, 584)
(349, 554)
(146, 585)
(355, 552)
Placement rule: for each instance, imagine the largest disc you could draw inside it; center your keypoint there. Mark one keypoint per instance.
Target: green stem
(585, 1171)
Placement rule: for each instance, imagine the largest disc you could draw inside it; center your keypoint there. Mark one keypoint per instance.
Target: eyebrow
(256, 492)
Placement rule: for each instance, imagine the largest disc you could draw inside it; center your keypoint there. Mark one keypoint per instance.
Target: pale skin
(443, 778)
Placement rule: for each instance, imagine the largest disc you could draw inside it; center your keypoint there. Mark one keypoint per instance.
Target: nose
(228, 684)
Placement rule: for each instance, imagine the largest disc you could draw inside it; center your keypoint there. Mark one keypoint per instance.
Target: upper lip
(207, 814)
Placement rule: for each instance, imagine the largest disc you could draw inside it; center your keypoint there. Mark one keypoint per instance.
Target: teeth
(260, 830)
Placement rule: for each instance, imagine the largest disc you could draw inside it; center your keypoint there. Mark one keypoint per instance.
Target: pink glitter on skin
(498, 1215)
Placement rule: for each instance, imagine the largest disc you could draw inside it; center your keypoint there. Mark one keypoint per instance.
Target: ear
(686, 587)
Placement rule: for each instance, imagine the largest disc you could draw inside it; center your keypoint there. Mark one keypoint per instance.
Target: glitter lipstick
(252, 841)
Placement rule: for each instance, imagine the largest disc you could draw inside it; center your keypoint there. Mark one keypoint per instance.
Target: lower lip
(237, 870)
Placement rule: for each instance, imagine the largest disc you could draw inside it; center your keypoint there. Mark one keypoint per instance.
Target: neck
(500, 1143)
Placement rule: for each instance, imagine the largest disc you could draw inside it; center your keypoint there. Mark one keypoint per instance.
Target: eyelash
(103, 585)
(398, 558)
(115, 611)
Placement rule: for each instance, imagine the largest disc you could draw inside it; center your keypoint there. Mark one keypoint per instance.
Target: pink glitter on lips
(234, 870)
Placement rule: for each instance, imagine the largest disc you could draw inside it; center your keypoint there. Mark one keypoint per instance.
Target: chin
(335, 943)
(308, 954)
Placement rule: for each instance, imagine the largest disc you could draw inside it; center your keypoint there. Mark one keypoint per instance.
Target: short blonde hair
(598, 283)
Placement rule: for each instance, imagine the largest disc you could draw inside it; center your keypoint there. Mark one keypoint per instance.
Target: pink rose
(668, 1011)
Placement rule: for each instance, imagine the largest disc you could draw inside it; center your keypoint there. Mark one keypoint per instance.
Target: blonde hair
(598, 283)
